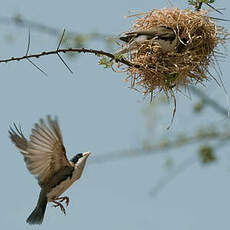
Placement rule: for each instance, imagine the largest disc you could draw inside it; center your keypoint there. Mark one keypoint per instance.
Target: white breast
(60, 188)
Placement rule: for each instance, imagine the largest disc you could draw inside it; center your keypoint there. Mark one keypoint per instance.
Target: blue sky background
(98, 113)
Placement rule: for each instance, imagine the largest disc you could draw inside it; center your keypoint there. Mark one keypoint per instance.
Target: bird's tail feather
(36, 217)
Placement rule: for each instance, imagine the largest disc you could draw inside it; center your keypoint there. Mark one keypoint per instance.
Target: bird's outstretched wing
(44, 153)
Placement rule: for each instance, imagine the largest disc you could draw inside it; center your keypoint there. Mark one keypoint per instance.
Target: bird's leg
(58, 204)
(64, 198)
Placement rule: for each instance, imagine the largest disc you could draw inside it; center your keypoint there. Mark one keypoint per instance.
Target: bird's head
(80, 157)
(79, 161)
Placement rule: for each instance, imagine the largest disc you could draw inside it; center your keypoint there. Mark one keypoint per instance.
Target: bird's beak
(86, 154)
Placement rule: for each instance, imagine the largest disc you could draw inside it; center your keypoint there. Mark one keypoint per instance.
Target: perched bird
(45, 157)
(164, 36)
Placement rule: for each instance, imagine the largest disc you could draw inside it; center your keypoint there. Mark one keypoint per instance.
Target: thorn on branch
(64, 63)
(214, 8)
(37, 67)
(62, 60)
(28, 45)
(62, 36)
(27, 51)
(78, 50)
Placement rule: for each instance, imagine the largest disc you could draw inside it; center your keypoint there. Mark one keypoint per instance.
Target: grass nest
(188, 63)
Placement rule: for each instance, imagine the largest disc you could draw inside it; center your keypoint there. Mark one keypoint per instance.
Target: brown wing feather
(18, 138)
(44, 153)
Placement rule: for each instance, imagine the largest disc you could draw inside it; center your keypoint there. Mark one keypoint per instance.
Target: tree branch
(208, 101)
(182, 167)
(163, 146)
(78, 50)
(18, 20)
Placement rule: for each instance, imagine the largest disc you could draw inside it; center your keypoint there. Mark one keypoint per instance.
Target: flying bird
(45, 157)
(164, 36)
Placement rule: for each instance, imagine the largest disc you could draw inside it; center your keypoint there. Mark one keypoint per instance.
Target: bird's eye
(80, 155)
(76, 157)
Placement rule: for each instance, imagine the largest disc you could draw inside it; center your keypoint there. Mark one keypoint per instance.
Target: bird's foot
(64, 198)
(58, 204)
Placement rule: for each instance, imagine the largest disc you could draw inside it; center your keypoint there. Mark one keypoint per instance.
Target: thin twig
(220, 19)
(174, 111)
(165, 180)
(158, 148)
(182, 167)
(208, 101)
(214, 8)
(78, 50)
(25, 23)
(199, 3)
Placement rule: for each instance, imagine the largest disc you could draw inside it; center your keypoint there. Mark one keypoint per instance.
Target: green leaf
(206, 154)
(105, 62)
(198, 107)
(118, 56)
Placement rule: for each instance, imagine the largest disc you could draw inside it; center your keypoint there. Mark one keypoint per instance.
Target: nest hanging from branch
(186, 62)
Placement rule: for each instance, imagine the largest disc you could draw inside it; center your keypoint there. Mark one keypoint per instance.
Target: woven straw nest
(195, 49)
